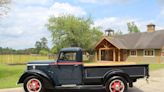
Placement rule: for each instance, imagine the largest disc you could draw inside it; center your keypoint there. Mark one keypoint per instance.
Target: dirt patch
(12, 90)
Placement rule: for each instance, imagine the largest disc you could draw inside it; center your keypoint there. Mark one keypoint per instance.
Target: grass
(11, 59)
(156, 66)
(9, 75)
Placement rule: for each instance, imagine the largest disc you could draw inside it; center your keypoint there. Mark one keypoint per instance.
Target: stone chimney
(150, 27)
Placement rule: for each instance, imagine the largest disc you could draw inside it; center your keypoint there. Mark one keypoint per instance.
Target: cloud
(32, 2)
(25, 25)
(162, 12)
(159, 19)
(119, 23)
(11, 32)
(115, 23)
(105, 1)
(16, 43)
(65, 8)
(89, 1)
(161, 4)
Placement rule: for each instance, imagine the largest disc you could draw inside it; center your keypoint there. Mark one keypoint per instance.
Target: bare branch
(4, 2)
(4, 7)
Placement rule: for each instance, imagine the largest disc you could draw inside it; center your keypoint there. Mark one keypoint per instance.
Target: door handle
(76, 65)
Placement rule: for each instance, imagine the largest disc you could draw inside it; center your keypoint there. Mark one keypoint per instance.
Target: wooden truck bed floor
(105, 63)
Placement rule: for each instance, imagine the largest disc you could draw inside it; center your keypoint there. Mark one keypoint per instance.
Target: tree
(43, 52)
(132, 27)
(38, 46)
(54, 50)
(4, 7)
(44, 43)
(41, 45)
(68, 30)
(118, 33)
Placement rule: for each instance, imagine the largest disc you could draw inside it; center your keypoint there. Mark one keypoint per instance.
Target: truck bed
(95, 72)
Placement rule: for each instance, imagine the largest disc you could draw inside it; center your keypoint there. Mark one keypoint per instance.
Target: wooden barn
(139, 47)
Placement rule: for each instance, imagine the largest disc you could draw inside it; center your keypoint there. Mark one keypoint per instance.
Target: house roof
(143, 40)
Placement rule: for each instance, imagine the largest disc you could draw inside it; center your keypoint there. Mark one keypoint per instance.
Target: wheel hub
(117, 86)
(34, 85)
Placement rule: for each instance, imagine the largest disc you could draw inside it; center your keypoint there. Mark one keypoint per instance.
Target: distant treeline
(40, 48)
(14, 51)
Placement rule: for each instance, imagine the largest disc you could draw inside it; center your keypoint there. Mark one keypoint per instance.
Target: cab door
(69, 69)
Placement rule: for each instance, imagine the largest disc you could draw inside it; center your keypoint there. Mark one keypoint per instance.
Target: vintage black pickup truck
(69, 69)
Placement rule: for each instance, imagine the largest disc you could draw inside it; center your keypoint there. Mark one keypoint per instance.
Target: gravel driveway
(155, 83)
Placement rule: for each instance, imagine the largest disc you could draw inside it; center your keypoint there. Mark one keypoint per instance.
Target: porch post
(159, 57)
(96, 56)
(119, 55)
(99, 54)
(114, 55)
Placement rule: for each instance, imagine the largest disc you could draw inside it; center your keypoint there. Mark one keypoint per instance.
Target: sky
(26, 19)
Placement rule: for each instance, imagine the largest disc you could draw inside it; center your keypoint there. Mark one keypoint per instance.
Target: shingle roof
(143, 40)
(117, 42)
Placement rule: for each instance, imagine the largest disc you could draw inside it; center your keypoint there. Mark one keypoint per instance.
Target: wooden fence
(15, 58)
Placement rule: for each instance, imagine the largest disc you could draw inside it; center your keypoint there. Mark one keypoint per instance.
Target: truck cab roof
(70, 49)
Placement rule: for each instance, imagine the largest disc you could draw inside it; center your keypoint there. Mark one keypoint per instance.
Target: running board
(80, 87)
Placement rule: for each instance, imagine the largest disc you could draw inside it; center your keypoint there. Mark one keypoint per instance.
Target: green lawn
(156, 66)
(9, 75)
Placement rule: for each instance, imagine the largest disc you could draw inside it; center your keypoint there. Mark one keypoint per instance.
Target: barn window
(162, 53)
(149, 52)
(133, 52)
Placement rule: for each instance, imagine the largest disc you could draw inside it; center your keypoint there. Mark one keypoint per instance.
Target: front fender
(34, 73)
(116, 72)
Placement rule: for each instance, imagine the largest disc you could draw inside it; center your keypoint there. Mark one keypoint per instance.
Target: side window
(67, 56)
(133, 52)
(149, 52)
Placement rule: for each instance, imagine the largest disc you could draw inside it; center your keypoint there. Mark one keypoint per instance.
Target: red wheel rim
(116, 86)
(34, 85)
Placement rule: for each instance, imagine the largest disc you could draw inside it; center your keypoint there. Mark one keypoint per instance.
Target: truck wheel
(116, 84)
(33, 84)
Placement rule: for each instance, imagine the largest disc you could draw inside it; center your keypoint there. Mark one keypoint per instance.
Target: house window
(133, 52)
(162, 53)
(149, 52)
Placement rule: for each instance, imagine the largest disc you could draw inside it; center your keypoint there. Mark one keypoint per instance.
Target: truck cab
(69, 66)
(70, 69)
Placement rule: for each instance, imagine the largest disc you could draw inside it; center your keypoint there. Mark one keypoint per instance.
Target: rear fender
(116, 72)
(38, 73)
